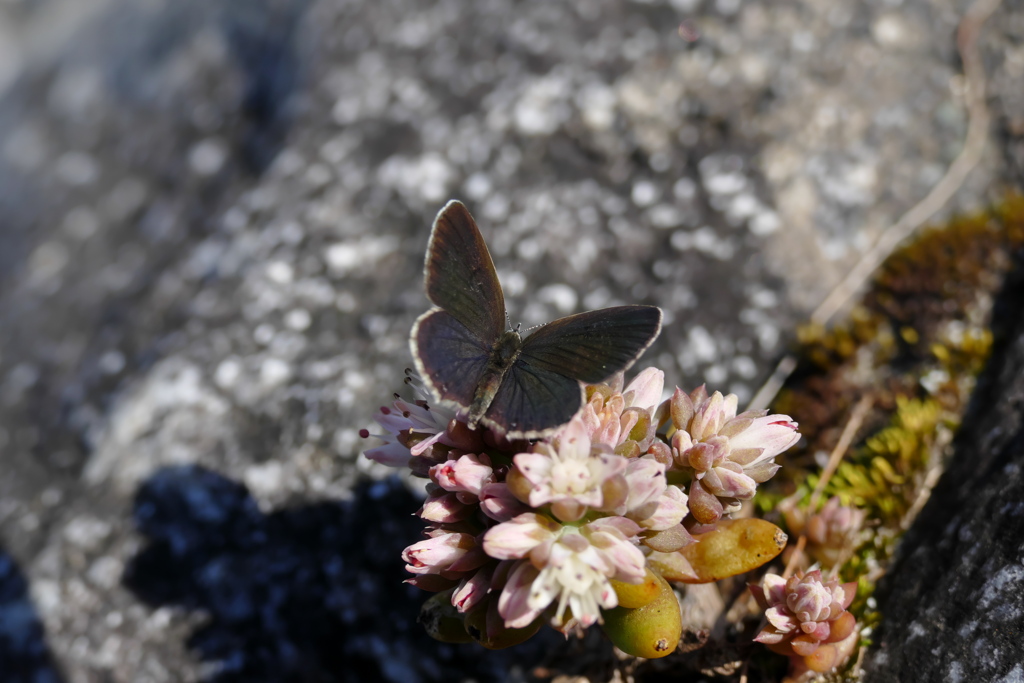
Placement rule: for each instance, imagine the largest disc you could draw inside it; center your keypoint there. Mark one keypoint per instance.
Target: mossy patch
(919, 337)
(914, 346)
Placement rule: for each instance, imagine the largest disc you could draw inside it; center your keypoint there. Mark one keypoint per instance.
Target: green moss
(878, 477)
(914, 346)
(919, 333)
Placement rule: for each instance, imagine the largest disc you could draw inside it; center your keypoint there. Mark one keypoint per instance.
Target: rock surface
(212, 224)
(953, 604)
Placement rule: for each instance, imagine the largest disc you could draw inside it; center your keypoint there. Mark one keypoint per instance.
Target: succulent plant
(577, 528)
(806, 616)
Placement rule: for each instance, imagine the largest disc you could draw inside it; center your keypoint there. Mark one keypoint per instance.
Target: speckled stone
(213, 216)
(954, 600)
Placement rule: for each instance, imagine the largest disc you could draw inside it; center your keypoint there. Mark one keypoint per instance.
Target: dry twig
(857, 416)
(940, 194)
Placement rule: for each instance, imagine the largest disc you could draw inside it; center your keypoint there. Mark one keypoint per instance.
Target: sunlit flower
(729, 454)
(563, 565)
(521, 532)
(397, 430)
(803, 612)
(614, 416)
(413, 428)
(650, 501)
(571, 475)
(445, 552)
(468, 474)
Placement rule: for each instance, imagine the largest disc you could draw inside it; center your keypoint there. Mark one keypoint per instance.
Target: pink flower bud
(803, 612)
(439, 553)
(498, 503)
(469, 473)
(444, 507)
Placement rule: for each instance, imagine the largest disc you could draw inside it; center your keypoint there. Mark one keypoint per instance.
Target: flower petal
(668, 510)
(645, 389)
(516, 538)
(646, 481)
(731, 484)
(805, 645)
(445, 509)
(514, 603)
(391, 454)
(781, 619)
(574, 441)
(473, 590)
(498, 503)
(773, 433)
(438, 553)
(536, 467)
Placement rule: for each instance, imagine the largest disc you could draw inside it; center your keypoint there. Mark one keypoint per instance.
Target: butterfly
(469, 359)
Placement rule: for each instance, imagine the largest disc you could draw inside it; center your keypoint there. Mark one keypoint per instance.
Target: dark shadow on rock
(24, 656)
(145, 85)
(311, 593)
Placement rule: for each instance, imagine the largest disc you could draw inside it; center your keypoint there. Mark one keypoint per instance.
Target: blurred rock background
(212, 222)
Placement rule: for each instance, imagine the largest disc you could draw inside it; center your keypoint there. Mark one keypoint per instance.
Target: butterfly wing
(542, 389)
(449, 356)
(532, 401)
(592, 346)
(452, 345)
(460, 276)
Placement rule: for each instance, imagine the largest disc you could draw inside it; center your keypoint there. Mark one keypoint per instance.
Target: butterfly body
(524, 388)
(506, 352)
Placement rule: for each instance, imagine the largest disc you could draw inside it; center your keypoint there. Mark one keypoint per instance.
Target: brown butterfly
(525, 388)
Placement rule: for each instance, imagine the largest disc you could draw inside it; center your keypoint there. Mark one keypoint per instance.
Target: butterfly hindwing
(592, 346)
(532, 401)
(460, 276)
(449, 356)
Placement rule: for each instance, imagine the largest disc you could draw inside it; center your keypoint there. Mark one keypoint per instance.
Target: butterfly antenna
(508, 320)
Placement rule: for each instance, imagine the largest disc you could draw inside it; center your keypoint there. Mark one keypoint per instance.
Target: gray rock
(953, 603)
(213, 223)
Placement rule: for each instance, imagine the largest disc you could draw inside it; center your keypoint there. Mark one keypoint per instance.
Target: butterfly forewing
(532, 401)
(449, 356)
(594, 345)
(460, 276)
